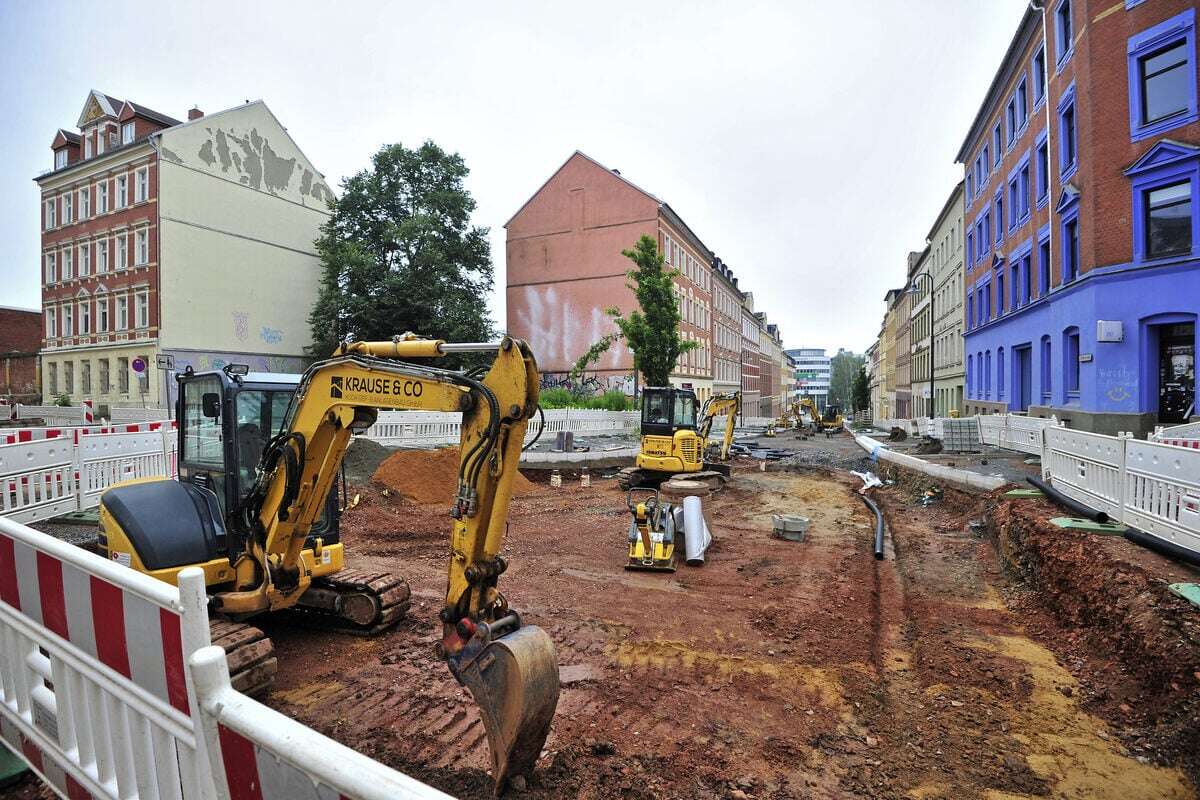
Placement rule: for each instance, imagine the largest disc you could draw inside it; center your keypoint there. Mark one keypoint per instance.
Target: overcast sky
(810, 145)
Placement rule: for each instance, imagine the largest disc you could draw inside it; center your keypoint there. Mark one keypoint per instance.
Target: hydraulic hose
(1066, 502)
(879, 526)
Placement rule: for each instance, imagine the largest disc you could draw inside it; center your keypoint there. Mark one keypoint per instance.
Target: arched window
(1047, 371)
(1000, 373)
(987, 375)
(1071, 364)
(970, 376)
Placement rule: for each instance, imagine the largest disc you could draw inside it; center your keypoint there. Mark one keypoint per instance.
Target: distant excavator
(829, 421)
(674, 442)
(254, 508)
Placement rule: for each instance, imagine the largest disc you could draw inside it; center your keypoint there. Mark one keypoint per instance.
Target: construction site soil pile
(429, 476)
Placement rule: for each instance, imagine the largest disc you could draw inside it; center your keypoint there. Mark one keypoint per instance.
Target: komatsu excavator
(674, 443)
(254, 508)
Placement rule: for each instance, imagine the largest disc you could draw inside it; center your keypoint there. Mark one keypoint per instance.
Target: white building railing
(109, 688)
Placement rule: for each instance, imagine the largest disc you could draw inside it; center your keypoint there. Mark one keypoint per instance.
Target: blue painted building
(1081, 178)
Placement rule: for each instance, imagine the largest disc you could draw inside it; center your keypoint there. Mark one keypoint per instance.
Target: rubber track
(391, 592)
(250, 654)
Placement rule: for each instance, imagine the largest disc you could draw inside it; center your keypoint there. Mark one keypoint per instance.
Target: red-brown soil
(429, 476)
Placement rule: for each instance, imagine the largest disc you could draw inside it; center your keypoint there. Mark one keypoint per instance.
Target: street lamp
(915, 290)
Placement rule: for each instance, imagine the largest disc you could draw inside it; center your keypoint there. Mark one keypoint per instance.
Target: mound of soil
(430, 476)
(362, 459)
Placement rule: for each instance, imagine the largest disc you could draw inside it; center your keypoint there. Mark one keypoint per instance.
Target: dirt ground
(1001, 659)
(777, 670)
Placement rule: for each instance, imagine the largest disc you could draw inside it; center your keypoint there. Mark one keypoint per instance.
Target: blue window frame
(1000, 289)
(970, 310)
(1043, 169)
(970, 187)
(997, 144)
(999, 373)
(987, 374)
(1064, 33)
(1026, 278)
(1023, 187)
(1068, 222)
(1010, 119)
(1014, 203)
(1044, 261)
(987, 164)
(1047, 370)
(998, 205)
(987, 300)
(1166, 186)
(970, 376)
(1068, 149)
(1071, 364)
(981, 310)
(1162, 77)
(971, 248)
(1039, 76)
(1022, 99)
(987, 230)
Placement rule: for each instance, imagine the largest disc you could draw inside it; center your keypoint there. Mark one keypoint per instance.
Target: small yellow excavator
(830, 421)
(254, 509)
(674, 442)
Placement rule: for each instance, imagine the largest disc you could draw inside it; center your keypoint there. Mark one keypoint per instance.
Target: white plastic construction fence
(434, 428)
(48, 472)
(110, 688)
(1180, 435)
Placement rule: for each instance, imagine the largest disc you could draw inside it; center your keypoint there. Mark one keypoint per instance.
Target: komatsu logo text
(340, 386)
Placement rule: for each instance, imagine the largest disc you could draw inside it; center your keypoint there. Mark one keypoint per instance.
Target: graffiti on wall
(560, 331)
(587, 384)
(205, 362)
(1120, 386)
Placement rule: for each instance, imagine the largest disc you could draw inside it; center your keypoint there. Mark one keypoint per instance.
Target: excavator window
(685, 411)
(201, 432)
(656, 408)
(260, 416)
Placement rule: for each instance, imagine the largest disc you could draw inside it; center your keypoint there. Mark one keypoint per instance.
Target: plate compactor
(658, 528)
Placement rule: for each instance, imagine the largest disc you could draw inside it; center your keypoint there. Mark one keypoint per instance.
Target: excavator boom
(509, 667)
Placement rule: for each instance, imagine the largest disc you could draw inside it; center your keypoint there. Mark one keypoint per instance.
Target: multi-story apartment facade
(887, 361)
(904, 405)
(946, 254)
(1082, 169)
(565, 267)
(191, 239)
(812, 373)
(872, 366)
(751, 359)
(727, 329)
(921, 365)
(770, 350)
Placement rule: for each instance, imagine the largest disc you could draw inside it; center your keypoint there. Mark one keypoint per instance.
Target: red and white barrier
(259, 754)
(94, 690)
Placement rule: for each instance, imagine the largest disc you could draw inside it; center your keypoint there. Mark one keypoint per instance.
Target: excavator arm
(729, 404)
(510, 668)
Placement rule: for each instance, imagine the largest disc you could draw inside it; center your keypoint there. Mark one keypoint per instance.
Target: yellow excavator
(255, 508)
(674, 442)
(830, 421)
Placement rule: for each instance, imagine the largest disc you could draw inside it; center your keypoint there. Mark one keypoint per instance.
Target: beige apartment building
(920, 287)
(160, 237)
(727, 329)
(946, 256)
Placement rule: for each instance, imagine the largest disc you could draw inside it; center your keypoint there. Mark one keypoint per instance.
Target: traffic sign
(164, 361)
(138, 364)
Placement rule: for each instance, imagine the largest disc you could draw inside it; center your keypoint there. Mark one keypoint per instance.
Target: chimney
(194, 113)
(616, 172)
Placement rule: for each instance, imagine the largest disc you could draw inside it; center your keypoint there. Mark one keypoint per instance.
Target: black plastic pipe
(1162, 547)
(878, 526)
(1071, 505)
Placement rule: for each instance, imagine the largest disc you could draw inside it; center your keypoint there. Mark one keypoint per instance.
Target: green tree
(842, 369)
(862, 390)
(399, 253)
(652, 330)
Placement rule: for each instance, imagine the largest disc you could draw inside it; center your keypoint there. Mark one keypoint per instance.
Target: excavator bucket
(514, 680)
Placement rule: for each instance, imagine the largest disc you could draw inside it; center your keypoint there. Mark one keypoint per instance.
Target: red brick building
(564, 268)
(20, 339)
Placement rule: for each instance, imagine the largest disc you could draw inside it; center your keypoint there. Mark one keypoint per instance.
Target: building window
(1169, 220)
(102, 368)
(123, 375)
(51, 268)
(1000, 373)
(1165, 182)
(1023, 188)
(143, 309)
(68, 269)
(127, 133)
(1022, 104)
(53, 378)
(1039, 76)
(999, 205)
(1071, 364)
(1067, 148)
(85, 377)
(48, 217)
(1014, 204)
(970, 248)
(1026, 279)
(970, 376)
(1064, 36)
(997, 144)
(987, 375)
(1162, 77)
(141, 185)
(85, 317)
(68, 207)
(1010, 119)
(1047, 371)
(102, 197)
(970, 312)
(122, 191)
(51, 323)
(99, 142)
(68, 320)
(60, 158)
(122, 313)
(87, 144)
(122, 251)
(1000, 291)
(85, 259)
(101, 314)
(85, 203)
(102, 256)
(1043, 171)
(1070, 247)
